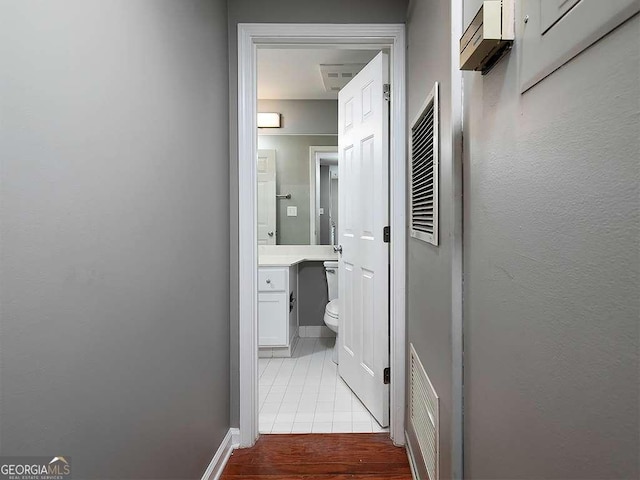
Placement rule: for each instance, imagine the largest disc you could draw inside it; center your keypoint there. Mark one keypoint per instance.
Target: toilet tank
(331, 272)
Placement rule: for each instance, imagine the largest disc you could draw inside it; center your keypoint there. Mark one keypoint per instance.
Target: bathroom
(298, 219)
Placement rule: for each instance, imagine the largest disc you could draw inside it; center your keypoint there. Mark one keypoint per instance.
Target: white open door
(363, 138)
(266, 197)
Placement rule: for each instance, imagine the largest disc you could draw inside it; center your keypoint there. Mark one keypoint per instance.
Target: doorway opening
(252, 38)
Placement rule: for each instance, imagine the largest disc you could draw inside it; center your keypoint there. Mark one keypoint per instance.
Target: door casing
(252, 36)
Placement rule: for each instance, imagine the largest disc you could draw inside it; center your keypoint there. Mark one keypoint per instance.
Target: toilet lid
(333, 308)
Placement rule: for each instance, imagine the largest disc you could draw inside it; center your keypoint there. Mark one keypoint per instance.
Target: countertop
(294, 259)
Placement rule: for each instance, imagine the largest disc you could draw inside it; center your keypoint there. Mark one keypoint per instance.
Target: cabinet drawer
(272, 280)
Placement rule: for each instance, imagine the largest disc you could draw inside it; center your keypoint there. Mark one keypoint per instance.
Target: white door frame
(315, 153)
(250, 37)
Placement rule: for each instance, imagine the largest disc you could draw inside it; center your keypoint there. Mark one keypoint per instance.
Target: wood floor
(356, 456)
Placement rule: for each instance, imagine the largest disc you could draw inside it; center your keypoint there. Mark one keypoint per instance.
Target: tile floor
(305, 394)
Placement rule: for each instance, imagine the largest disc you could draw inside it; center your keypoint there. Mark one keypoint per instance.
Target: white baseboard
(279, 352)
(230, 441)
(315, 332)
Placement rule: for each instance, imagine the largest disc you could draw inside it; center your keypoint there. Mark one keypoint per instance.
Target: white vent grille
(335, 76)
(424, 171)
(424, 412)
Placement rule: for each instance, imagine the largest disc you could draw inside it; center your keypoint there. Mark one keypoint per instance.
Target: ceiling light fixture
(269, 120)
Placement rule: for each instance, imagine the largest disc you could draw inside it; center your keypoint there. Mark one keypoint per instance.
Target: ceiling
(294, 74)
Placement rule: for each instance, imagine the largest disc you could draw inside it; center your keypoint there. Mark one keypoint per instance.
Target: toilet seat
(332, 314)
(333, 308)
(331, 322)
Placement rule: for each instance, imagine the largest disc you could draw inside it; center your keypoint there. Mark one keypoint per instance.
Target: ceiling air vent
(336, 76)
(424, 171)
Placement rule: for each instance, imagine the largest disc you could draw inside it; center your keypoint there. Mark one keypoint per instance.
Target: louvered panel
(424, 151)
(423, 211)
(422, 131)
(424, 190)
(423, 169)
(424, 414)
(421, 166)
(425, 179)
(424, 123)
(427, 202)
(422, 147)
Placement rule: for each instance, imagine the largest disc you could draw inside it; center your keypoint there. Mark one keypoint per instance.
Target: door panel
(266, 169)
(363, 118)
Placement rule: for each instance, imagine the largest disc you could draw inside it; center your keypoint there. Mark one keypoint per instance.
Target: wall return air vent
(424, 154)
(424, 414)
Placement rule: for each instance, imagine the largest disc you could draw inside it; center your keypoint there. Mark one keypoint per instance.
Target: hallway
(320, 457)
(488, 255)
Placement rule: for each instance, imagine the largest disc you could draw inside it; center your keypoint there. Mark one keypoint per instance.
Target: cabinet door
(273, 314)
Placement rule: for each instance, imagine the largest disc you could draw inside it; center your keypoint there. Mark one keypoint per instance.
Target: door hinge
(386, 376)
(386, 91)
(386, 234)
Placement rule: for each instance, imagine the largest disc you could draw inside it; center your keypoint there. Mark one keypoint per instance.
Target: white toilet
(332, 310)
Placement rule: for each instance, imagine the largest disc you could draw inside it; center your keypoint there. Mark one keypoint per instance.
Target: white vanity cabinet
(277, 310)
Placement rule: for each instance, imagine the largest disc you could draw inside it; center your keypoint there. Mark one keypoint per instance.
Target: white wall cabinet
(277, 310)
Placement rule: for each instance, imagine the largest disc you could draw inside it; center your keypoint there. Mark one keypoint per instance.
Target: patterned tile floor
(305, 394)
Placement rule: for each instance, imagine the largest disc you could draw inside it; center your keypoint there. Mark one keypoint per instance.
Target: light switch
(321, 211)
(292, 211)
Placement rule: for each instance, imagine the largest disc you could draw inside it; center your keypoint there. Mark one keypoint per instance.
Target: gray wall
(114, 262)
(292, 11)
(312, 294)
(429, 301)
(292, 176)
(552, 267)
(302, 117)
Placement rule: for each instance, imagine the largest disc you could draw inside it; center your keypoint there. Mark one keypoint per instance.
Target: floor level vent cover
(424, 414)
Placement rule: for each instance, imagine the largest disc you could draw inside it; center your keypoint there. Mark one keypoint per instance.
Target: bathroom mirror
(298, 156)
(297, 189)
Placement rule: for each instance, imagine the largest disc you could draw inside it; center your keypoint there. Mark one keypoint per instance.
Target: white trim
(314, 194)
(397, 220)
(247, 238)
(221, 457)
(384, 36)
(457, 344)
(280, 352)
